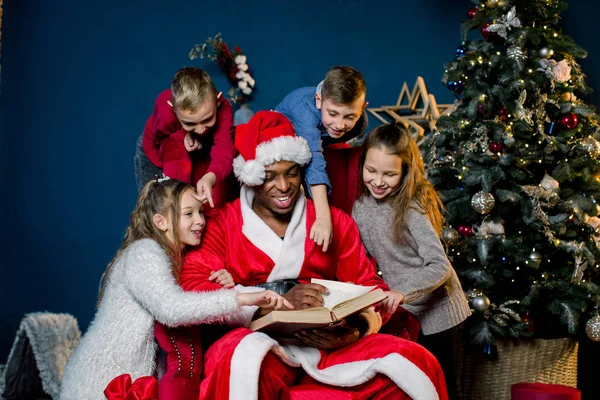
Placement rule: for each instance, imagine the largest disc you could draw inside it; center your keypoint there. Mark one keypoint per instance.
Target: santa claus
(261, 239)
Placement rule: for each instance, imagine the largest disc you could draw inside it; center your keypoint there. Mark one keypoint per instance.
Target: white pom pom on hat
(267, 138)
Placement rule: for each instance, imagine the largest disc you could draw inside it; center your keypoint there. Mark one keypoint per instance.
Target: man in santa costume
(261, 239)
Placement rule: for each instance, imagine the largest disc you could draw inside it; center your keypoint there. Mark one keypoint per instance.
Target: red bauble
(503, 114)
(569, 120)
(480, 109)
(496, 147)
(485, 33)
(472, 12)
(465, 230)
(529, 325)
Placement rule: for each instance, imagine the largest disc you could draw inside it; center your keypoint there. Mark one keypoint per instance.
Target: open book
(343, 300)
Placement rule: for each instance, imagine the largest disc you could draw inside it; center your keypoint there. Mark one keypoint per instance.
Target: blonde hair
(414, 186)
(191, 87)
(162, 198)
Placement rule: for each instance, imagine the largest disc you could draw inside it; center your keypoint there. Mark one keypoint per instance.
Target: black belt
(280, 287)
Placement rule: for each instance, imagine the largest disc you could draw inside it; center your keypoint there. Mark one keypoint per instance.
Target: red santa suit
(251, 365)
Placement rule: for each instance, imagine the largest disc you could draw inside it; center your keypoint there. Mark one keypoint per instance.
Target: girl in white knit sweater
(140, 286)
(399, 216)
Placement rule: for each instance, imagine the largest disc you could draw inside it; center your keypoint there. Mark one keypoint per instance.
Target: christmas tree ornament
(480, 303)
(549, 183)
(569, 121)
(465, 230)
(505, 24)
(592, 328)
(544, 52)
(503, 114)
(450, 236)
(489, 228)
(528, 324)
(568, 96)
(516, 53)
(492, 3)
(535, 257)
(472, 12)
(471, 293)
(591, 146)
(485, 33)
(557, 71)
(496, 147)
(461, 51)
(483, 202)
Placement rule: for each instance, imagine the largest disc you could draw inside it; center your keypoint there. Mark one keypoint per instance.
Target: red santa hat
(267, 138)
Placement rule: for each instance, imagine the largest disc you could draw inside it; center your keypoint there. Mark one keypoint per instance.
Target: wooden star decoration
(417, 110)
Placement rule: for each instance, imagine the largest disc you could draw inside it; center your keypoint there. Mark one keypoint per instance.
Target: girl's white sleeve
(150, 281)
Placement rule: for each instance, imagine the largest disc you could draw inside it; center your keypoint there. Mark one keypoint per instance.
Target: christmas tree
(517, 164)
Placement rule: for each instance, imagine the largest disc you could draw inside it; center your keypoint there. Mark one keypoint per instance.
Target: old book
(343, 300)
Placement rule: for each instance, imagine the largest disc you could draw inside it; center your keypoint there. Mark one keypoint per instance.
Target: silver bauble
(483, 202)
(544, 52)
(590, 146)
(480, 303)
(592, 328)
(535, 257)
(450, 236)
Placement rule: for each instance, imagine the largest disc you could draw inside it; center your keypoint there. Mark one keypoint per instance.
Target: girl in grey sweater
(399, 218)
(140, 287)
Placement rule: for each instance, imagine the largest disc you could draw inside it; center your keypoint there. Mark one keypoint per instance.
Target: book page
(354, 305)
(340, 292)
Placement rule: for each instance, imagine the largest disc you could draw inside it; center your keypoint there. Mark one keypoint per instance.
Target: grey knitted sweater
(120, 339)
(418, 267)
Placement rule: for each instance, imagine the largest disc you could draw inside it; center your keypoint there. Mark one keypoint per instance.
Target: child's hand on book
(306, 296)
(393, 300)
(265, 299)
(329, 338)
(222, 277)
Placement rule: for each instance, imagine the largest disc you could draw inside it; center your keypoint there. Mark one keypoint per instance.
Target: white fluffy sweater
(120, 339)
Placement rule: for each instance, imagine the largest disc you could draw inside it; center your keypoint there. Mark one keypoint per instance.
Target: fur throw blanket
(35, 365)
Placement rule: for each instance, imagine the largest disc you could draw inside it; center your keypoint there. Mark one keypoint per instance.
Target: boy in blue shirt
(331, 116)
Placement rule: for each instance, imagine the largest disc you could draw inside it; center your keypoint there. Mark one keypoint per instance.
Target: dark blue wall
(79, 79)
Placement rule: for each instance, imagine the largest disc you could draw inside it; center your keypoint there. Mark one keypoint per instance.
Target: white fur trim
(249, 353)
(246, 364)
(250, 173)
(287, 254)
(288, 148)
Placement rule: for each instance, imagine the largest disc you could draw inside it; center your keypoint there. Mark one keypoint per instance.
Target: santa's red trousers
(277, 380)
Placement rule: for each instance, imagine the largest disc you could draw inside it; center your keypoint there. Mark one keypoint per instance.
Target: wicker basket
(545, 361)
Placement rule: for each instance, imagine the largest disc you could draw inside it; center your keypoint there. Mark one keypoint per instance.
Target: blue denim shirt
(300, 108)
